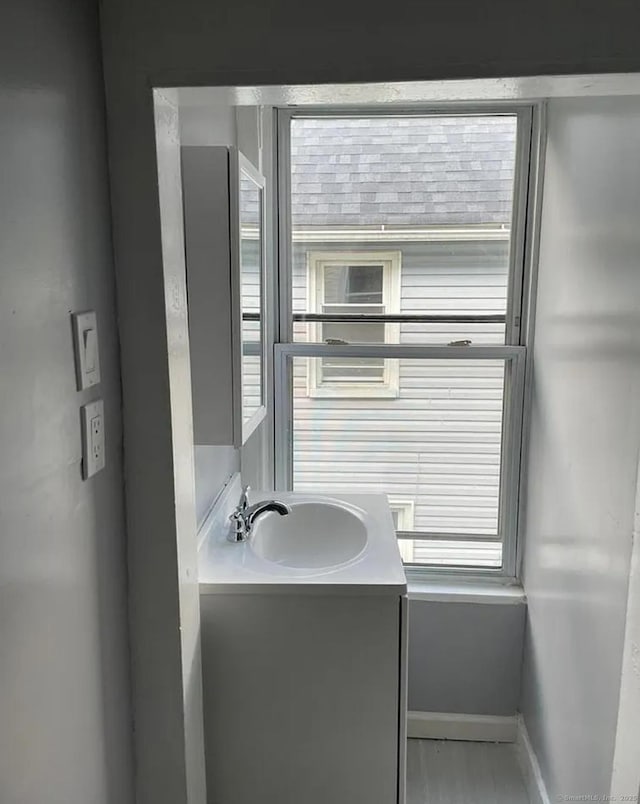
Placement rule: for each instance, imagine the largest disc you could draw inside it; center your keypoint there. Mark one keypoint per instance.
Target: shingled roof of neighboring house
(404, 171)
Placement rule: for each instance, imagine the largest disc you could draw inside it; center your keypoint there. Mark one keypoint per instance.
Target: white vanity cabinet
(223, 197)
(304, 659)
(303, 698)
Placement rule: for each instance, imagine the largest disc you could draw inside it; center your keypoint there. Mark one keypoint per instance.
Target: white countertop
(225, 567)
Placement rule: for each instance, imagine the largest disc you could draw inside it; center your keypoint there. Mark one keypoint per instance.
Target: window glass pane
(437, 443)
(343, 332)
(450, 553)
(352, 369)
(250, 294)
(436, 189)
(352, 332)
(441, 333)
(353, 284)
(251, 377)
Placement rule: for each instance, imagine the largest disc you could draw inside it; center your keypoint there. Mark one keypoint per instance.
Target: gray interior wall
(65, 720)
(585, 437)
(465, 657)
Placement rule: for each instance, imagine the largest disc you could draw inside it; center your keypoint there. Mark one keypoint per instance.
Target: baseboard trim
(536, 788)
(451, 726)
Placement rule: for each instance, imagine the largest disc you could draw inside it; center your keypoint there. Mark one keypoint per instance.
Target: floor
(456, 772)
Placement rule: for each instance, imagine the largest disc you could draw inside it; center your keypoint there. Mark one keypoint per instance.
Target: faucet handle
(244, 498)
(237, 529)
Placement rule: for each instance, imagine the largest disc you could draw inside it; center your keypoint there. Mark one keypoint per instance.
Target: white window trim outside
(405, 509)
(391, 267)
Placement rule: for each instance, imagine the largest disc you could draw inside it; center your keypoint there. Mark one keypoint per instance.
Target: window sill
(460, 591)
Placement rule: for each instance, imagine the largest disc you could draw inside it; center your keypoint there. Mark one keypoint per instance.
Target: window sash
(527, 126)
(514, 359)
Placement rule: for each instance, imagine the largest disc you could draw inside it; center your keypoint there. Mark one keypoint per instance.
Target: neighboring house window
(402, 512)
(351, 283)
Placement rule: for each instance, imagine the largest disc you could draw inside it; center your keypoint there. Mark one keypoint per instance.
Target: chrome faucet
(245, 515)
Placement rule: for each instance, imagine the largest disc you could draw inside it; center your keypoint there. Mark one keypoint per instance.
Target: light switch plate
(93, 457)
(85, 339)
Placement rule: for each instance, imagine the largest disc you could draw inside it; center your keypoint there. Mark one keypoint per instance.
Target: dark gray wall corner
(65, 716)
(283, 41)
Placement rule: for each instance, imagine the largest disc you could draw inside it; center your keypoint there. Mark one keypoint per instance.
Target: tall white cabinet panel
(223, 198)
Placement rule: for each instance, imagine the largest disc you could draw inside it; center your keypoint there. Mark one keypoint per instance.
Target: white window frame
(391, 262)
(519, 318)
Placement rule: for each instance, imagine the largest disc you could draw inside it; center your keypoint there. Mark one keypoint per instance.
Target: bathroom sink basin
(315, 535)
(328, 543)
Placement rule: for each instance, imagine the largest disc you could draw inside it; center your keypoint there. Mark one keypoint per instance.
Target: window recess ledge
(456, 590)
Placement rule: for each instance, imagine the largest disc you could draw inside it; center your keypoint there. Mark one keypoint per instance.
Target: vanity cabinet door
(302, 697)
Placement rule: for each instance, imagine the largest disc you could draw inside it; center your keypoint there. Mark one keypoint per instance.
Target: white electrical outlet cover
(85, 339)
(93, 457)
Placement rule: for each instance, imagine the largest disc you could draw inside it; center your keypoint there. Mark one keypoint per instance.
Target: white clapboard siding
(251, 400)
(250, 292)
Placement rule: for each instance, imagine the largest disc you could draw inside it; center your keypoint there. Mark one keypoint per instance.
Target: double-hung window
(400, 362)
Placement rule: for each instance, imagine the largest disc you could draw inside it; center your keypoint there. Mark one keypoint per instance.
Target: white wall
(65, 720)
(207, 124)
(585, 438)
(626, 760)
